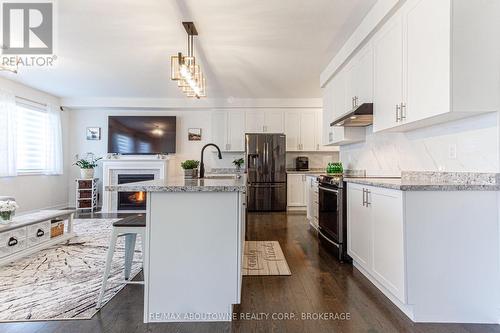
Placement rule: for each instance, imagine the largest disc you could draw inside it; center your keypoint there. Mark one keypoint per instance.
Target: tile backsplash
(316, 159)
(470, 144)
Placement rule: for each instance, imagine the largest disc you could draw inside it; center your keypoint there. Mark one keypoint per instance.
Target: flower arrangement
(7, 209)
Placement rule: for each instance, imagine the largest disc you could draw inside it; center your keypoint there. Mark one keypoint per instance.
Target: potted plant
(238, 163)
(7, 210)
(87, 167)
(190, 168)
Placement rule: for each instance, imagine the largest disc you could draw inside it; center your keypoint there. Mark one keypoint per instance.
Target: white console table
(30, 233)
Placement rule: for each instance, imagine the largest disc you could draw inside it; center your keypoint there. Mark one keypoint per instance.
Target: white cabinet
(301, 130)
(375, 234)
(296, 191)
(359, 226)
(388, 74)
(312, 200)
(426, 51)
(334, 105)
(292, 130)
(264, 121)
(228, 130)
(434, 62)
(388, 239)
(358, 79)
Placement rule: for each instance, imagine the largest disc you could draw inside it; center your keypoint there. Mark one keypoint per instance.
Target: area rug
(264, 258)
(63, 281)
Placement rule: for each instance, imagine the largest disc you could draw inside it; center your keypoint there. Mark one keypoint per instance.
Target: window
(32, 135)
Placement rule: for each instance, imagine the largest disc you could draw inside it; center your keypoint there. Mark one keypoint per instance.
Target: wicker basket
(56, 228)
(84, 184)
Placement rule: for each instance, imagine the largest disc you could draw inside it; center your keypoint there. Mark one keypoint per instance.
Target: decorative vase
(6, 217)
(190, 173)
(87, 173)
(238, 172)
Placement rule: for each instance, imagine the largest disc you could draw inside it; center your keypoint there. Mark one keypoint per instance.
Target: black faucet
(202, 165)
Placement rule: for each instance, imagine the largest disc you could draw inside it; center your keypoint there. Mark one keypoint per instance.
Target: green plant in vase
(190, 168)
(238, 163)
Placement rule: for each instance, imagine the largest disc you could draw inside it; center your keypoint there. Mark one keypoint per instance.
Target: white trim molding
(180, 103)
(372, 21)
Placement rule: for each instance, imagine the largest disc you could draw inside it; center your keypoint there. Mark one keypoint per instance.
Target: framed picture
(194, 134)
(93, 133)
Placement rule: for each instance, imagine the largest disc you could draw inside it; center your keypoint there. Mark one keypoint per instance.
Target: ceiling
(247, 48)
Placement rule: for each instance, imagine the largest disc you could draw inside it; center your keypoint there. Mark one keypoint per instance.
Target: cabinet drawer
(38, 233)
(12, 241)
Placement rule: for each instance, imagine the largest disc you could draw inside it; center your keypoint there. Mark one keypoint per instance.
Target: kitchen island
(195, 232)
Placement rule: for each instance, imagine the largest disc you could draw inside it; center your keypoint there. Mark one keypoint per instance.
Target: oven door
(329, 213)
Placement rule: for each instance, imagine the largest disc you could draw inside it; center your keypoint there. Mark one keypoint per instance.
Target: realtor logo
(27, 28)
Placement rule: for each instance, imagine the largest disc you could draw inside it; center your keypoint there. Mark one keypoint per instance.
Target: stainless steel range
(332, 216)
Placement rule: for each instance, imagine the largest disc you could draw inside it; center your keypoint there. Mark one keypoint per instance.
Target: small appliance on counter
(302, 163)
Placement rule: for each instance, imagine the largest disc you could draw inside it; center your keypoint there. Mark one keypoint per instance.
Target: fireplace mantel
(111, 168)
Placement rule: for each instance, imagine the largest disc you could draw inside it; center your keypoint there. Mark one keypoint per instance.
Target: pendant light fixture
(185, 70)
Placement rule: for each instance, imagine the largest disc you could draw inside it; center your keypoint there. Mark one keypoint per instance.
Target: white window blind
(32, 124)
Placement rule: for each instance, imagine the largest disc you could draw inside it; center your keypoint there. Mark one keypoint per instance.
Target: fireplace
(132, 200)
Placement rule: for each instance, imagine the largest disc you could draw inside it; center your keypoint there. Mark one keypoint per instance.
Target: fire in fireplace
(132, 200)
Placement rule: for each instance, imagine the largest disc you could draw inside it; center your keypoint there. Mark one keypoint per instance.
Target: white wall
(37, 191)
(428, 149)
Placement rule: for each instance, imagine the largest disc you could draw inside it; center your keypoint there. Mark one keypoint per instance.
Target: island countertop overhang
(179, 184)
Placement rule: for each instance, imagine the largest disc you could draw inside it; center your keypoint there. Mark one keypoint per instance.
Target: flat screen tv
(141, 135)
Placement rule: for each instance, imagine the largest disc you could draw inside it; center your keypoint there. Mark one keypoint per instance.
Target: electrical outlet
(452, 151)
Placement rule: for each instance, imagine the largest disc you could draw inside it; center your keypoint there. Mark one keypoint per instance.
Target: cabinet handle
(355, 101)
(403, 111)
(364, 200)
(398, 110)
(12, 241)
(40, 233)
(367, 201)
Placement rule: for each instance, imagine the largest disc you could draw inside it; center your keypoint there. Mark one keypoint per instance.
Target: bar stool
(129, 228)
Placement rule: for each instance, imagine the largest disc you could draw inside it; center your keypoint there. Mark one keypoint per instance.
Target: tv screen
(140, 135)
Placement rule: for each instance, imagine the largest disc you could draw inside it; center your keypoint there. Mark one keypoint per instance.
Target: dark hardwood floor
(319, 284)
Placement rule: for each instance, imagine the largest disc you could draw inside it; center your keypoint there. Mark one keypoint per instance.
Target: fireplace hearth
(132, 200)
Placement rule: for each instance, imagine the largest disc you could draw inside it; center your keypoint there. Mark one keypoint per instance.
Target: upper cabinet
(430, 66)
(303, 131)
(335, 104)
(228, 130)
(430, 62)
(388, 74)
(302, 128)
(264, 121)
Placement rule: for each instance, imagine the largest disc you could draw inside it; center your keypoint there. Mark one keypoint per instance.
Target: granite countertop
(179, 184)
(310, 171)
(434, 181)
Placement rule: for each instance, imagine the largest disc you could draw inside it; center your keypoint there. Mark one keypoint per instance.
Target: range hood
(359, 117)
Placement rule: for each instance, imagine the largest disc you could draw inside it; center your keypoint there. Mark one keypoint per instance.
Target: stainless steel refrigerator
(265, 156)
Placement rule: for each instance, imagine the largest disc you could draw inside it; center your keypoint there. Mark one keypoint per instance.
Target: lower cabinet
(375, 231)
(312, 200)
(296, 191)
